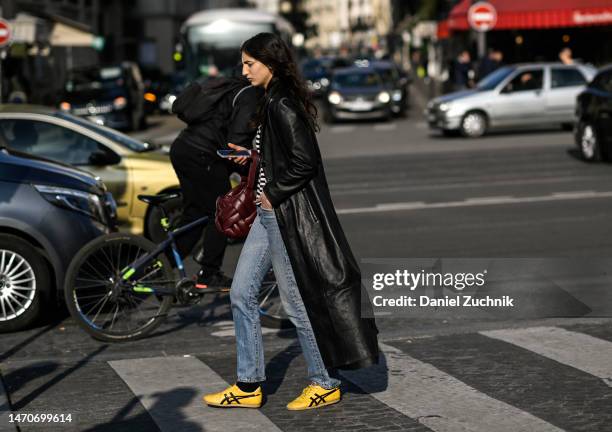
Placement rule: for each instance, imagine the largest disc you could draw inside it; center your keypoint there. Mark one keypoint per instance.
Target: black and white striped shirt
(261, 178)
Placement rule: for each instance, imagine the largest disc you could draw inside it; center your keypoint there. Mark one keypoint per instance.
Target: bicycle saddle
(158, 199)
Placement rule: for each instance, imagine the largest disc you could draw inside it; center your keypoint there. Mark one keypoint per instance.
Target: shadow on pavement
(169, 403)
(44, 369)
(8, 353)
(438, 135)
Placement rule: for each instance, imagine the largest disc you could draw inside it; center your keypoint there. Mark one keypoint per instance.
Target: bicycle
(120, 286)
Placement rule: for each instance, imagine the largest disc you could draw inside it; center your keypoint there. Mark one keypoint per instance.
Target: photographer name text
(446, 301)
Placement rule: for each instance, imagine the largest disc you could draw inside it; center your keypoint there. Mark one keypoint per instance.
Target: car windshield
(109, 133)
(358, 79)
(94, 79)
(494, 78)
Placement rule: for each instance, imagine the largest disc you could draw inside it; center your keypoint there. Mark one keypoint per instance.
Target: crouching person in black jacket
(217, 112)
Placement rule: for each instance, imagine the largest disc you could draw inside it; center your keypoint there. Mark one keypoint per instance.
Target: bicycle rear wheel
(108, 306)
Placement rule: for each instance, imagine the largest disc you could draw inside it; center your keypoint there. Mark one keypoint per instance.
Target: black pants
(203, 179)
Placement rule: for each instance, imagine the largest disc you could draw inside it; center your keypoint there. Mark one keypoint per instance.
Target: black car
(593, 131)
(112, 96)
(356, 93)
(317, 72)
(48, 211)
(397, 82)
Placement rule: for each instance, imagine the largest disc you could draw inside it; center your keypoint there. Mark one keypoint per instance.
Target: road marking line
(490, 199)
(469, 202)
(385, 127)
(438, 400)
(573, 194)
(364, 188)
(578, 350)
(171, 390)
(5, 410)
(341, 129)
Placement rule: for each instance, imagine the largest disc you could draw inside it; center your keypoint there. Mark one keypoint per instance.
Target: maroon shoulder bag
(236, 209)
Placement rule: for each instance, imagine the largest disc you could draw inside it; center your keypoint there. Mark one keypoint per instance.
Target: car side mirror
(103, 158)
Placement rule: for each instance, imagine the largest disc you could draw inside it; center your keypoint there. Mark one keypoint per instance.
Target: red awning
(443, 32)
(534, 14)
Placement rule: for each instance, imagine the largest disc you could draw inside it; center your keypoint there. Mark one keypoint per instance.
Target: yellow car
(127, 166)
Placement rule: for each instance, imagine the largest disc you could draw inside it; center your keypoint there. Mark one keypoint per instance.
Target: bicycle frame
(127, 272)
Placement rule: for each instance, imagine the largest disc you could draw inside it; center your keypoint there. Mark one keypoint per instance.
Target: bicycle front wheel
(110, 306)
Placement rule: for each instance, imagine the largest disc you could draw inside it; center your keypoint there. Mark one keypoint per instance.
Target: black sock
(247, 386)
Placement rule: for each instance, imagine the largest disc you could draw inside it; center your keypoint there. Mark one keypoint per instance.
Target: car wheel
(589, 144)
(23, 276)
(174, 210)
(474, 124)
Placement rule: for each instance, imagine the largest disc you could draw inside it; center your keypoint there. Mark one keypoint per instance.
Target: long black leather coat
(325, 269)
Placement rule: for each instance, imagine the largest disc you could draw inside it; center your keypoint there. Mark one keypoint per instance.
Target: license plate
(360, 106)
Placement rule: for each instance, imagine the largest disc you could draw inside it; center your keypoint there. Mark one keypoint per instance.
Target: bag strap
(253, 169)
(238, 94)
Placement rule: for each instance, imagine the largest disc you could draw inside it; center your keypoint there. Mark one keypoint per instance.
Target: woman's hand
(240, 160)
(265, 203)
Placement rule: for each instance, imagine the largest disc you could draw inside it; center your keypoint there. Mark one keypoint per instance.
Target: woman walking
(297, 233)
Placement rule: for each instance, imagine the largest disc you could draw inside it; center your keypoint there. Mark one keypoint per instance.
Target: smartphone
(227, 153)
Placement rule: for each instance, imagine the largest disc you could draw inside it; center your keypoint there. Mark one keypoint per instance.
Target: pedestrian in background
(461, 72)
(565, 55)
(298, 234)
(490, 63)
(217, 112)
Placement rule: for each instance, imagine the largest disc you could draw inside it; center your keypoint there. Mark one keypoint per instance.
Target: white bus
(211, 39)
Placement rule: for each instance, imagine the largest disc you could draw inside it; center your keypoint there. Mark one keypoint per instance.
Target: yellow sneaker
(314, 396)
(233, 397)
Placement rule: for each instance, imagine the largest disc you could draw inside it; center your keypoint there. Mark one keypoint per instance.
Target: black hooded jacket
(211, 119)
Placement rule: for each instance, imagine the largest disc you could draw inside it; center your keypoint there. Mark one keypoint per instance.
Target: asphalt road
(402, 192)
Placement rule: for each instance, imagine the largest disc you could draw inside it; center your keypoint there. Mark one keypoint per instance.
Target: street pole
(3, 54)
(482, 44)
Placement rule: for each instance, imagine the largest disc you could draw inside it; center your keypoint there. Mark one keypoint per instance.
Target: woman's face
(255, 71)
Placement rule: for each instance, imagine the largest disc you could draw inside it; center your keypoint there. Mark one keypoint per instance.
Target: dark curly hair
(272, 51)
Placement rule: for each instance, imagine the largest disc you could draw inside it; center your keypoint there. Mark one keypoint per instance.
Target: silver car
(521, 95)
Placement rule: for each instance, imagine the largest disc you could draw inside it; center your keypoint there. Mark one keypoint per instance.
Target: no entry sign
(482, 16)
(5, 33)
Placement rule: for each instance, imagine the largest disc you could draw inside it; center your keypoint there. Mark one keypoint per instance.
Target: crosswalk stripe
(438, 400)
(578, 350)
(5, 410)
(171, 390)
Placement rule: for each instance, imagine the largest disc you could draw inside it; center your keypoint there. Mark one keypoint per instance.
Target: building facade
(353, 24)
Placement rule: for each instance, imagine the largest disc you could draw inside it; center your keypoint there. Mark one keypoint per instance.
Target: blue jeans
(264, 248)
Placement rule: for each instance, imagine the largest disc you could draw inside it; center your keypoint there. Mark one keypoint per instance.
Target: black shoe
(212, 280)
